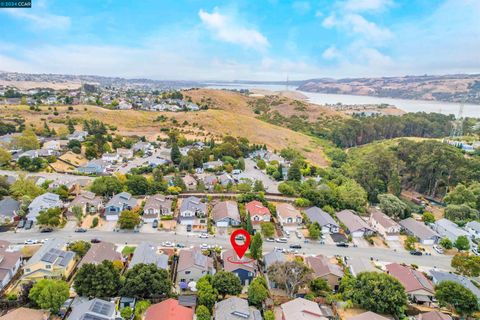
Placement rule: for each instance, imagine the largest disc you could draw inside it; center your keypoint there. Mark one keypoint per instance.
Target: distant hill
(449, 88)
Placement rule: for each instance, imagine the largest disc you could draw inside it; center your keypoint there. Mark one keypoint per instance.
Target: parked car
(180, 245)
(299, 236)
(270, 240)
(475, 251)
(168, 244)
(295, 246)
(343, 245)
(28, 224)
(46, 230)
(155, 224)
(189, 228)
(287, 233)
(438, 249)
(21, 224)
(31, 241)
(203, 236)
(95, 240)
(204, 246)
(280, 249)
(416, 253)
(80, 230)
(281, 240)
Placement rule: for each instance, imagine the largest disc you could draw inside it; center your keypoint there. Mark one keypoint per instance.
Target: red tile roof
(256, 208)
(168, 310)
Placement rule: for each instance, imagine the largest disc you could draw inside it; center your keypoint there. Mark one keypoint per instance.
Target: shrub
(94, 222)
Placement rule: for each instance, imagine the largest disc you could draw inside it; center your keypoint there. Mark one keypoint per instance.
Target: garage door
(222, 224)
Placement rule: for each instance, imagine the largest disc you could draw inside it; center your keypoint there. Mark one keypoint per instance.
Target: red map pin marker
(240, 249)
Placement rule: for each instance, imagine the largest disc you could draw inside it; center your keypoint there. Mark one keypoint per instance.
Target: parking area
(255, 174)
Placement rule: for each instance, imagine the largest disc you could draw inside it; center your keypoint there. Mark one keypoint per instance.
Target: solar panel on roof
(89, 316)
(101, 308)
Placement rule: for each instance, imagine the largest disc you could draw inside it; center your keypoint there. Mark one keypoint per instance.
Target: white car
(438, 249)
(280, 250)
(475, 251)
(168, 244)
(30, 241)
(269, 240)
(281, 240)
(204, 246)
(203, 236)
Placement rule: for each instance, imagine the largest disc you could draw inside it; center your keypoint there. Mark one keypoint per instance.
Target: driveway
(361, 242)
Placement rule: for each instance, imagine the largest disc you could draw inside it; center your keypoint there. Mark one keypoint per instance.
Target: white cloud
(366, 5)
(331, 53)
(42, 20)
(371, 31)
(226, 28)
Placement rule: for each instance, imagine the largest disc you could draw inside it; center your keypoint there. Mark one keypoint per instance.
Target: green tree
(320, 287)
(393, 206)
(137, 184)
(351, 195)
(462, 243)
(106, 186)
(261, 164)
(129, 219)
(410, 243)
(25, 187)
(258, 186)
(80, 247)
(294, 172)
(446, 243)
(248, 223)
(226, 283)
(78, 214)
(26, 141)
(102, 280)
(257, 292)
(267, 229)
(461, 195)
(50, 217)
(146, 281)
(428, 217)
(5, 157)
(71, 126)
(126, 313)
(202, 313)
(269, 315)
(175, 154)
(379, 292)
(466, 265)
(461, 213)
(49, 294)
(140, 308)
(256, 246)
(207, 294)
(453, 295)
(290, 275)
(314, 231)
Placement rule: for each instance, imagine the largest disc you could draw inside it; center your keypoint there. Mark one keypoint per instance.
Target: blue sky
(242, 39)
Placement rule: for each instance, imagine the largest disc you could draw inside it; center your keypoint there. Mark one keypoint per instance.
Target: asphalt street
(122, 238)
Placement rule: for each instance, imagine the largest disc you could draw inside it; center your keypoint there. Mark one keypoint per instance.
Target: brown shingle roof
(100, 252)
(411, 279)
(321, 266)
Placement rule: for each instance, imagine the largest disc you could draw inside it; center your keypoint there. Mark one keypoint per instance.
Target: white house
(110, 157)
(324, 220)
(43, 202)
(289, 217)
(357, 227)
(448, 229)
(473, 227)
(384, 225)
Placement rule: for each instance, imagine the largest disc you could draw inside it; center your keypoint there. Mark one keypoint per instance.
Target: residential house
(55, 145)
(124, 153)
(192, 265)
(301, 308)
(258, 213)
(226, 179)
(324, 220)
(439, 276)
(26, 314)
(10, 261)
(156, 205)
(9, 208)
(369, 315)
(95, 166)
(142, 146)
(190, 182)
(87, 201)
(78, 135)
(357, 265)
(433, 315)
(100, 252)
(245, 268)
(384, 225)
(110, 157)
(118, 203)
(212, 165)
(289, 217)
(325, 269)
(448, 229)
(124, 105)
(473, 227)
(226, 214)
(43, 202)
(356, 226)
(147, 253)
(169, 309)
(95, 309)
(210, 181)
(417, 286)
(235, 308)
(157, 161)
(193, 212)
(424, 234)
(268, 260)
(50, 261)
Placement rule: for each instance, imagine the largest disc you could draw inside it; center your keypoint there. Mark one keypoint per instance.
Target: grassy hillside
(233, 118)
